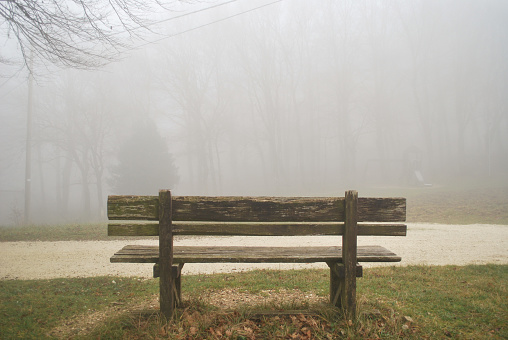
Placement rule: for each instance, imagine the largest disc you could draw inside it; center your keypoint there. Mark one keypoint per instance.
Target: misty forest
(303, 98)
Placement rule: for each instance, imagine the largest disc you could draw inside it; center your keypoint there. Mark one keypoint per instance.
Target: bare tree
(79, 33)
(77, 122)
(192, 79)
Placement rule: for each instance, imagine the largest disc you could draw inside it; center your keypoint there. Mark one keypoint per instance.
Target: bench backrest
(255, 216)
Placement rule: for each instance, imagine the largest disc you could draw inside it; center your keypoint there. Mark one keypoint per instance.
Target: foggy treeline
(296, 98)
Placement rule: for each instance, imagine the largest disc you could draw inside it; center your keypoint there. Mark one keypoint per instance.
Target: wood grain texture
(133, 229)
(349, 256)
(391, 209)
(166, 283)
(133, 207)
(257, 209)
(184, 254)
(254, 229)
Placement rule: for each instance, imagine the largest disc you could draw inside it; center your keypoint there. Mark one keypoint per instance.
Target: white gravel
(431, 244)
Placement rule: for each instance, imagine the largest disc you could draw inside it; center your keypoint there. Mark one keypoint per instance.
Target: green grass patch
(31, 309)
(261, 280)
(416, 302)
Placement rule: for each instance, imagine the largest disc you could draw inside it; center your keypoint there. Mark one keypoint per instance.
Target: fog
(293, 98)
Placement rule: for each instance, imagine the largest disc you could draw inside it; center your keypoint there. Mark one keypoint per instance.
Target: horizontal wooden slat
(133, 229)
(150, 254)
(365, 229)
(257, 209)
(133, 208)
(391, 209)
(255, 229)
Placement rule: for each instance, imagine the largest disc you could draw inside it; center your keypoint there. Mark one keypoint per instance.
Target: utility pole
(28, 160)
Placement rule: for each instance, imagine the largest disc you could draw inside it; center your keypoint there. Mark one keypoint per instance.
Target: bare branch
(77, 33)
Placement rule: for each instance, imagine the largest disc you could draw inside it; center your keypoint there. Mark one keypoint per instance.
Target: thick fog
(293, 98)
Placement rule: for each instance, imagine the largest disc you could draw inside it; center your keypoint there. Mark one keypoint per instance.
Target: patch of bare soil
(224, 299)
(233, 298)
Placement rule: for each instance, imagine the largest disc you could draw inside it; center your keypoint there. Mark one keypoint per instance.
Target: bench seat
(150, 254)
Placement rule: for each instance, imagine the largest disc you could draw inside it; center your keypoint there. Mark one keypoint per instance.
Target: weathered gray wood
(133, 229)
(257, 209)
(392, 209)
(335, 283)
(255, 229)
(166, 282)
(133, 207)
(338, 269)
(349, 256)
(178, 284)
(183, 254)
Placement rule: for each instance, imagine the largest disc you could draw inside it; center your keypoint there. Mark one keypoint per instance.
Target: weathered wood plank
(255, 229)
(392, 209)
(257, 209)
(258, 229)
(150, 254)
(364, 229)
(133, 229)
(133, 208)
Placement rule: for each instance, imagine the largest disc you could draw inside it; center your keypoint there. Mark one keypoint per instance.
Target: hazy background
(292, 98)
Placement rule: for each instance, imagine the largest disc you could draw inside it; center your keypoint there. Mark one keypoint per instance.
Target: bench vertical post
(166, 284)
(349, 255)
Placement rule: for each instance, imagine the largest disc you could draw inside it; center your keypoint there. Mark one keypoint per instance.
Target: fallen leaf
(407, 319)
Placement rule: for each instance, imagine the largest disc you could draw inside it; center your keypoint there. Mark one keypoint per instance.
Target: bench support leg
(337, 283)
(167, 277)
(177, 284)
(349, 255)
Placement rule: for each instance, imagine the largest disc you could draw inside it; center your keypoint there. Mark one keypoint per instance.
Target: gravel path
(432, 244)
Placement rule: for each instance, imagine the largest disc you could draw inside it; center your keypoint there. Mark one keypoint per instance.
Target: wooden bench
(256, 216)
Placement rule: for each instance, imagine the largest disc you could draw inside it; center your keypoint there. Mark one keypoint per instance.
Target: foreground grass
(29, 309)
(417, 302)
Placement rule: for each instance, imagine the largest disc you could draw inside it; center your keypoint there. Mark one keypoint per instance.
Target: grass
(30, 309)
(416, 302)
